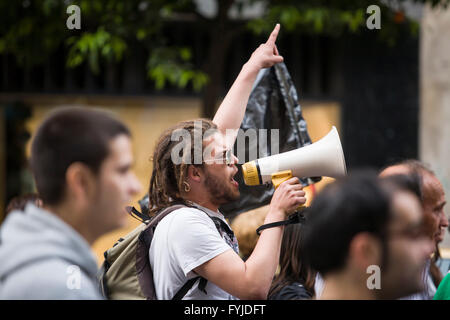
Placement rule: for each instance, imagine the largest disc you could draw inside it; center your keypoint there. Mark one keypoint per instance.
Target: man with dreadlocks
(186, 243)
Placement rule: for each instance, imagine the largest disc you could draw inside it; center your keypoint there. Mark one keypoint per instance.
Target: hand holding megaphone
(288, 196)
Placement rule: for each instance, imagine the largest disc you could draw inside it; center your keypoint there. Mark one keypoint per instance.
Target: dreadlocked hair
(167, 177)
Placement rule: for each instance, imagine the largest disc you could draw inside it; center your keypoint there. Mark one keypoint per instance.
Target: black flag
(273, 104)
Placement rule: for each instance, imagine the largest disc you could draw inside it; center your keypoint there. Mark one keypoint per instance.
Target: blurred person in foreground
(295, 281)
(432, 198)
(367, 239)
(81, 161)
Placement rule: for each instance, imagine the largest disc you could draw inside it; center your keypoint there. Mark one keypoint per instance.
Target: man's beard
(219, 191)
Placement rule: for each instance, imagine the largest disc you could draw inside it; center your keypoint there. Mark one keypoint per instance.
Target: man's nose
(444, 220)
(234, 159)
(136, 186)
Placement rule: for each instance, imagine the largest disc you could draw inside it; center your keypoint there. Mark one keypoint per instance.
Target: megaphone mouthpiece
(250, 171)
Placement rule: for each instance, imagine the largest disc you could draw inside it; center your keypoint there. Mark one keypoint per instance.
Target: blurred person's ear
(365, 250)
(81, 185)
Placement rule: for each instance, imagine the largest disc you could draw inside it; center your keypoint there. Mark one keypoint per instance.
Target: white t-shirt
(184, 240)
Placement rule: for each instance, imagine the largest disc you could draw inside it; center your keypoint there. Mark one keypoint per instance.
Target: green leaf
(185, 54)
(141, 34)
(199, 81)
(186, 76)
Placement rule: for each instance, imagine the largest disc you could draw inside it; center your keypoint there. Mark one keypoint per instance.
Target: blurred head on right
(432, 193)
(362, 223)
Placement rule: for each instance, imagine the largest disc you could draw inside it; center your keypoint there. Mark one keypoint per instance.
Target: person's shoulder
(446, 278)
(443, 291)
(189, 215)
(50, 279)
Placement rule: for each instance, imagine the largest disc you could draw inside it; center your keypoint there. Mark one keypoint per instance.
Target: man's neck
(70, 217)
(203, 202)
(345, 287)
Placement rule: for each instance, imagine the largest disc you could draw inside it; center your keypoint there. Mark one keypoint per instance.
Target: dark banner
(273, 105)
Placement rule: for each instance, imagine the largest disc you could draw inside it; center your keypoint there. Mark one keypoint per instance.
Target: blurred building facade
(435, 97)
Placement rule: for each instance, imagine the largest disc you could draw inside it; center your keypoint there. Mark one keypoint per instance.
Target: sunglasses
(225, 157)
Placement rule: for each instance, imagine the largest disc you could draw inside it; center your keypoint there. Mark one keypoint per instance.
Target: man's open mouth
(234, 182)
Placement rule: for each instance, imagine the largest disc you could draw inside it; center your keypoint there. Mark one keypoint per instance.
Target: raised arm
(232, 109)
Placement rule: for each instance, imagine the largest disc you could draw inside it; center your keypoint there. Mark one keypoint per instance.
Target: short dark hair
(67, 136)
(360, 202)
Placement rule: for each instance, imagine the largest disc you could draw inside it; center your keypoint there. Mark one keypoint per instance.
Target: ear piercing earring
(187, 187)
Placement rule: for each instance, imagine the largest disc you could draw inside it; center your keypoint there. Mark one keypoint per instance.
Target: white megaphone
(322, 158)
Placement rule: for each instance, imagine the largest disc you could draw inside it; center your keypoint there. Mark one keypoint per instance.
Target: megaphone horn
(322, 158)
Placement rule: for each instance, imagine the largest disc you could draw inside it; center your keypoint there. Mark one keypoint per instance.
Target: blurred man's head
(81, 161)
(433, 195)
(362, 221)
(434, 202)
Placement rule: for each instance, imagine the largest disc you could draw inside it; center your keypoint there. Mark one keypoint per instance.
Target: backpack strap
(143, 268)
(101, 276)
(132, 211)
(188, 285)
(220, 224)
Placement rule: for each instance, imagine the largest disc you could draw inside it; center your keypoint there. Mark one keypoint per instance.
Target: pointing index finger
(273, 36)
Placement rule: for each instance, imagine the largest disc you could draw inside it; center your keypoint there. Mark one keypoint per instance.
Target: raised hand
(232, 109)
(266, 55)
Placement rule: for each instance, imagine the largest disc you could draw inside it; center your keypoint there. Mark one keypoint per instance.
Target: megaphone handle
(281, 176)
(296, 217)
